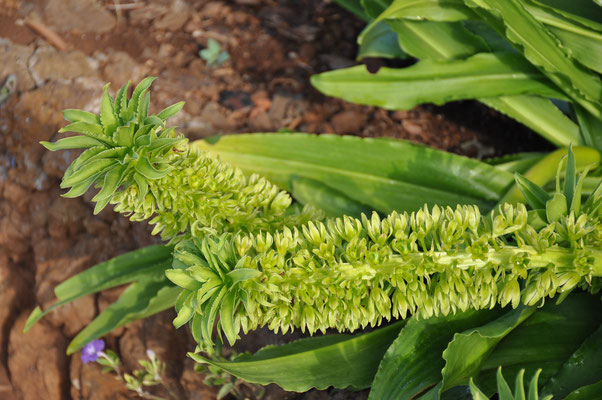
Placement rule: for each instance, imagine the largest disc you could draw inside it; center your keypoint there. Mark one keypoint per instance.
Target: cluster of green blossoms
(246, 257)
(348, 273)
(148, 171)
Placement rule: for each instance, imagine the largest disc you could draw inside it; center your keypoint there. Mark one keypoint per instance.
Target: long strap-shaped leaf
(140, 300)
(117, 271)
(482, 75)
(381, 173)
(340, 361)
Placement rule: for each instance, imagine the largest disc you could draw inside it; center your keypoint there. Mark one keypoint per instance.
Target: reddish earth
(274, 47)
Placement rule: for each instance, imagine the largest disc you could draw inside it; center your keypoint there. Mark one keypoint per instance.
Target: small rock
(65, 217)
(49, 64)
(83, 16)
(39, 353)
(400, 115)
(212, 114)
(14, 61)
(175, 18)
(17, 195)
(261, 122)
(146, 14)
(411, 127)
(348, 122)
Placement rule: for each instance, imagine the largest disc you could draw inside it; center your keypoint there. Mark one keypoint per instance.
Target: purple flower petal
(91, 350)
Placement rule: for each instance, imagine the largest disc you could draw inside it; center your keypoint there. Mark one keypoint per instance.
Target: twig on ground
(51, 37)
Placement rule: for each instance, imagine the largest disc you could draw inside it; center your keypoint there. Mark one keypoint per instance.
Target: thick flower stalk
(348, 273)
(148, 171)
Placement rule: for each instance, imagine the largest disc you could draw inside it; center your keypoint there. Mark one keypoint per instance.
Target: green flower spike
(124, 145)
(348, 273)
(149, 171)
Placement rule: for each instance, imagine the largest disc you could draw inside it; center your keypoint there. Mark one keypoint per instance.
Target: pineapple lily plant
(240, 254)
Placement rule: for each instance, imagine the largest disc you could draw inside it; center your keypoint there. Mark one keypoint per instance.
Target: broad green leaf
(383, 174)
(124, 135)
(171, 110)
(92, 130)
(112, 181)
(439, 82)
(81, 188)
(466, 352)
(340, 361)
(107, 113)
(73, 142)
(86, 171)
(591, 128)
(584, 12)
(242, 274)
(116, 271)
(226, 316)
(546, 340)
(582, 44)
(432, 10)
(518, 162)
(440, 40)
(140, 300)
(331, 201)
(545, 169)
(542, 49)
(535, 196)
(121, 99)
(380, 41)
(146, 169)
(584, 367)
(413, 363)
(182, 279)
(74, 115)
(139, 91)
(590, 392)
(539, 114)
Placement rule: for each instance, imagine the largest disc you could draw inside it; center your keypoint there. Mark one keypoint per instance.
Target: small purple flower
(91, 350)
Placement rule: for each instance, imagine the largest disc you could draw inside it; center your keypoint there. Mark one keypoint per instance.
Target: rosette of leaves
(148, 171)
(124, 145)
(348, 273)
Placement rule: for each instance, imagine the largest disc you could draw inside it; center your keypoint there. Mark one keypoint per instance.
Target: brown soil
(274, 47)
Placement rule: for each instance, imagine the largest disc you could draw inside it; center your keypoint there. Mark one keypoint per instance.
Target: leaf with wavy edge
(546, 340)
(341, 361)
(465, 353)
(413, 363)
(482, 75)
(543, 49)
